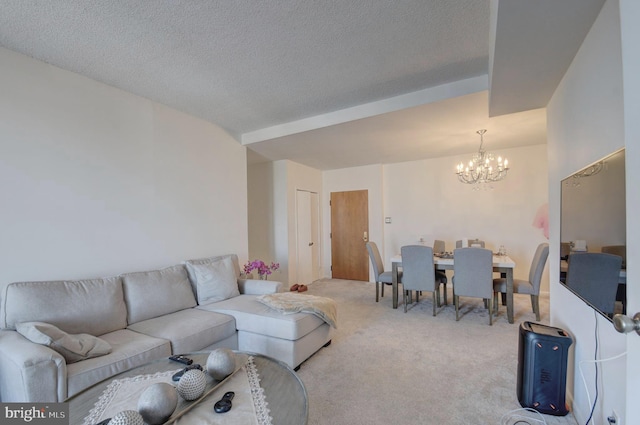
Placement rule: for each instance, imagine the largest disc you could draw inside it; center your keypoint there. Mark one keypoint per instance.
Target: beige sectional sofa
(199, 305)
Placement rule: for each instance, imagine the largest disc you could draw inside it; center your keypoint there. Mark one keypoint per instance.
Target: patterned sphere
(127, 417)
(221, 363)
(192, 384)
(157, 402)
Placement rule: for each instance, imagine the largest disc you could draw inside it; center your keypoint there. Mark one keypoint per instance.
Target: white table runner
(249, 404)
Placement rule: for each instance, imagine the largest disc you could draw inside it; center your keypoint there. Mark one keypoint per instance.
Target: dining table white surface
(501, 264)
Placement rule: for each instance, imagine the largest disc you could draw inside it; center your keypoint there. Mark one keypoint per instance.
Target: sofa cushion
(209, 260)
(188, 330)
(155, 293)
(215, 281)
(253, 316)
(129, 349)
(72, 347)
(94, 306)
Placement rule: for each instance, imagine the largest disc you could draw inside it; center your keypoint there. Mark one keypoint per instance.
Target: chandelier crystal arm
(483, 167)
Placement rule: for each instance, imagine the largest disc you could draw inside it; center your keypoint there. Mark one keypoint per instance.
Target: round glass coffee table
(283, 390)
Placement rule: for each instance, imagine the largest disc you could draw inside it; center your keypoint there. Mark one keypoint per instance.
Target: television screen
(593, 220)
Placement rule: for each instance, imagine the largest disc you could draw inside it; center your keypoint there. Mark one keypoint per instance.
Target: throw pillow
(215, 281)
(72, 347)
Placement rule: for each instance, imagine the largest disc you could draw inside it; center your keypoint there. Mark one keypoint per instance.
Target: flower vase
(263, 276)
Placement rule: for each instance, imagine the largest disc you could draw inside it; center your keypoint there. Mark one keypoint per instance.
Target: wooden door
(349, 234)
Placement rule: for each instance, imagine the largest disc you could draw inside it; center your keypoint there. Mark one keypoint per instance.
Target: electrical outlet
(613, 419)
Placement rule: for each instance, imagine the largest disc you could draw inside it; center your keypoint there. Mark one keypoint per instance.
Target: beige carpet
(388, 367)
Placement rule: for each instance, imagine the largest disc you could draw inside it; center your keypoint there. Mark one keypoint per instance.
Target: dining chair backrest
(474, 243)
(376, 259)
(537, 266)
(418, 273)
(473, 272)
(620, 250)
(595, 276)
(438, 246)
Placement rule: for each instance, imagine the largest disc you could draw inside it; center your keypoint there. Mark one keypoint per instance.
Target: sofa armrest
(30, 372)
(259, 287)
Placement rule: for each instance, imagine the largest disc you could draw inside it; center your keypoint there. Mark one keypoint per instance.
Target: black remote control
(176, 376)
(181, 359)
(105, 422)
(224, 404)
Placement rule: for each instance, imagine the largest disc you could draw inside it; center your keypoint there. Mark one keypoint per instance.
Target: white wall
(272, 212)
(425, 199)
(95, 181)
(261, 192)
(585, 122)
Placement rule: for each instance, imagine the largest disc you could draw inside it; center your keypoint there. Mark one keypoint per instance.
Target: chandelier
(483, 168)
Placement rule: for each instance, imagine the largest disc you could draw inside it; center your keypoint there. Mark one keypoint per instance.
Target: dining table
(501, 264)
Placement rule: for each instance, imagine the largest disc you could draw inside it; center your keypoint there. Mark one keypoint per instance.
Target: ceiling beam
(409, 100)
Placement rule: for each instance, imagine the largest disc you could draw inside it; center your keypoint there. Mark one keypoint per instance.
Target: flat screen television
(593, 216)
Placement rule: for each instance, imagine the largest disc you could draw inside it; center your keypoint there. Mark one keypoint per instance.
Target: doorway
(307, 237)
(349, 234)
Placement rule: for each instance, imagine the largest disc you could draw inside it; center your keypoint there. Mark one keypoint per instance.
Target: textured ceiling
(319, 82)
(248, 64)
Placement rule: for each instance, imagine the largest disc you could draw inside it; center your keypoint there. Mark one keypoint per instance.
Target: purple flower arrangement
(261, 267)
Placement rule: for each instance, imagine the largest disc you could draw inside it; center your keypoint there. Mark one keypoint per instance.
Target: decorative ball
(157, 402)
(127, 417)
(221, 363)
(192, 384)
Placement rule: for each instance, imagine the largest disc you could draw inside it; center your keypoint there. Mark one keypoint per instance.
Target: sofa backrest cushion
(209, 260)
(215, 281)
(156, 293)
(93, 306)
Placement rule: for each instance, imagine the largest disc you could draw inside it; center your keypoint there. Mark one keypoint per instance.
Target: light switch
(387, 220)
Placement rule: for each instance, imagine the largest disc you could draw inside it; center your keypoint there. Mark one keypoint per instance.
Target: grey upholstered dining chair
(439, 248)
(473, 276)
(476, 243)
(620, 250)
(595, 277)
(418, 274)
(531, 286)
(381, 276)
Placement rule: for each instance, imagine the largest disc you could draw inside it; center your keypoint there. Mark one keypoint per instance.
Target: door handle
(365, 237)
(310, 243)
(625, 324)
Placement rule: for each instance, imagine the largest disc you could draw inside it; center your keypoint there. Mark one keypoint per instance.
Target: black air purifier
(542, 368)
